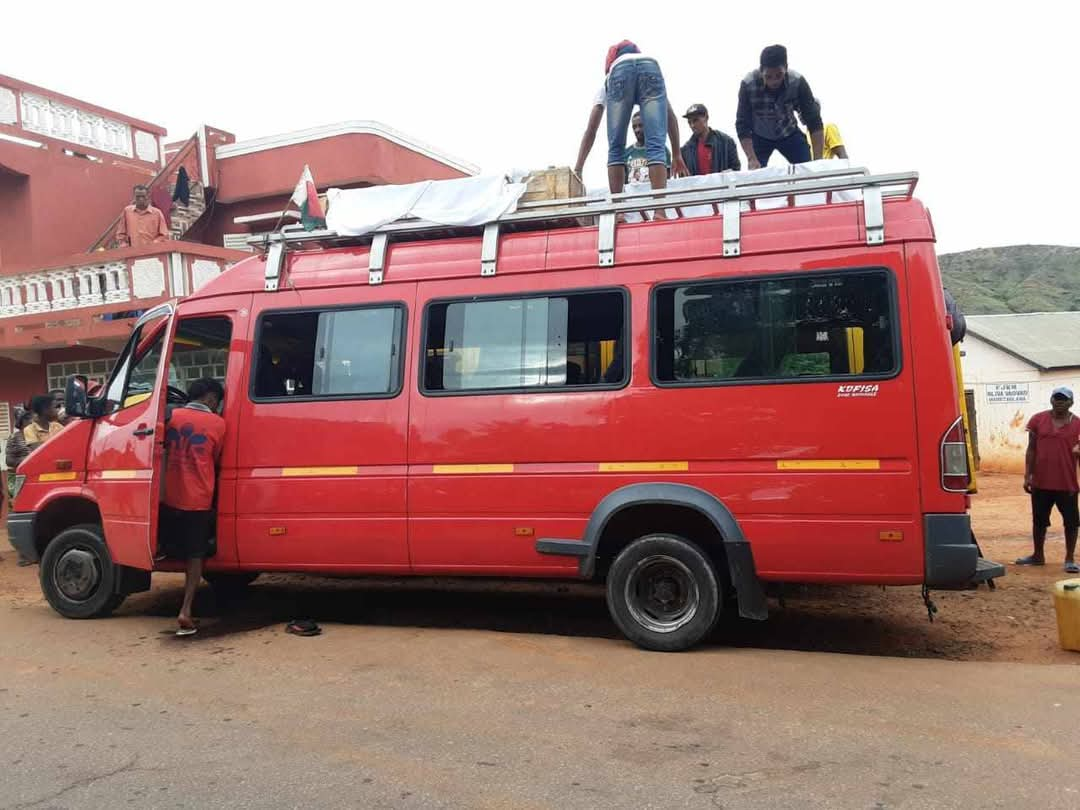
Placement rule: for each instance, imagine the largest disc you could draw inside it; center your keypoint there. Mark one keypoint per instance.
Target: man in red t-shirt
(193, 439)
(1050, 475)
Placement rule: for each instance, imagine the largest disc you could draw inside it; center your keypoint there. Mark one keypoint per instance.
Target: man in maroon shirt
(709, 150)
(1050, 475)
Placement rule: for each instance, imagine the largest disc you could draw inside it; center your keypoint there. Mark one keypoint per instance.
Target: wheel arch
(61, 512)
(600, 541)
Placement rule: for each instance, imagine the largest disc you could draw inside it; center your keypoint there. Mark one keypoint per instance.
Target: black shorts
(1044, 500)
(184, 535)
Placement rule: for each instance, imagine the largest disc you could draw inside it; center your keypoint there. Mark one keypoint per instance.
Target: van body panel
(827, 481)
(321, 483)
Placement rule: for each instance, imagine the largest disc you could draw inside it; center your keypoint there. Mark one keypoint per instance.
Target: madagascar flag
(307, 200)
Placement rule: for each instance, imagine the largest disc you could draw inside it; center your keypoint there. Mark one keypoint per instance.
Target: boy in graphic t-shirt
(193, 438)
(1050, 475)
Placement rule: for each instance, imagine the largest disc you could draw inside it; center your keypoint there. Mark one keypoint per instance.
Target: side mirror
(75, 398)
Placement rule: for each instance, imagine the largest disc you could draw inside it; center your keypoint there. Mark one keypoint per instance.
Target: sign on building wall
(1005, 393)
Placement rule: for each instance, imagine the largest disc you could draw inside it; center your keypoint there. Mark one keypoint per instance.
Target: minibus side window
(573, 340)
(342, 353)
(782, 328)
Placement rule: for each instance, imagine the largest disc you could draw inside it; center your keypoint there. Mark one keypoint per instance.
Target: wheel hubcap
(662, 594)
(77, 574)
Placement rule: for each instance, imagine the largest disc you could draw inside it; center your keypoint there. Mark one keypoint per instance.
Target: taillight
(955, 475)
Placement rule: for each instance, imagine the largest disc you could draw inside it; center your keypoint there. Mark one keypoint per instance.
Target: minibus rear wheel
(78, 576)
(663, 593)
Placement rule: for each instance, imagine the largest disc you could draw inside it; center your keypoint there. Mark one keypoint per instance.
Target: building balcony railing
(30, 111)
(102, 287)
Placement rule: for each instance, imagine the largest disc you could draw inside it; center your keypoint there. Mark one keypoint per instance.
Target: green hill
(1019, 278)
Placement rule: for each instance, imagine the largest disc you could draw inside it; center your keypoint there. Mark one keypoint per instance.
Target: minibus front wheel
(663, 593)
(78, 576)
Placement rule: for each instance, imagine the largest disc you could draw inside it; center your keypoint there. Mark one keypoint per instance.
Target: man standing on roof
(194, 436)
(1050, 475)
(768, 100)
(141, 223)
(633, 78)
(709, 150)
(637, 158)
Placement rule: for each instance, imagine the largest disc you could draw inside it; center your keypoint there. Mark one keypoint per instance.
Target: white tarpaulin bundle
(468, 201)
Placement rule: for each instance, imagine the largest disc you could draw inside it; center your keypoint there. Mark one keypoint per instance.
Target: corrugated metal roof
(1048, 340)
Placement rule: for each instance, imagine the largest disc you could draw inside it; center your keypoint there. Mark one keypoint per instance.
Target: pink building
(68, 296)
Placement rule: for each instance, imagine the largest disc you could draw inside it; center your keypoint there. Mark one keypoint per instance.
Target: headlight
(18, 485)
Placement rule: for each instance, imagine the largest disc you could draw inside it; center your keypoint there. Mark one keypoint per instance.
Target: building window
(786, 328)
(200, 350)
(342, 353)
(97, 371)
(6, 429)
(547, 342)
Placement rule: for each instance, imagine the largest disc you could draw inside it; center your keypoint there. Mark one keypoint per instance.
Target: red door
(126, 451)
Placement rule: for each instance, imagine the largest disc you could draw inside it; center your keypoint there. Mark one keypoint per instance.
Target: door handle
(145, 431)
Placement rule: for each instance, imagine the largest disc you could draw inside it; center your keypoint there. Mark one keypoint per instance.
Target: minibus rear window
(779, 328)
(573, 340)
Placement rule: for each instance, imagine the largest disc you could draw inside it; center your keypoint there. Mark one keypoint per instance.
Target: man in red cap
(633, 78)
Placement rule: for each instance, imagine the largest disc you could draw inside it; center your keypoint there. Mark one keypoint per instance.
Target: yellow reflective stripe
(317, 472)
(116, 475)
(644, 466)
(471, 469)
(58, 476)
(829, 464)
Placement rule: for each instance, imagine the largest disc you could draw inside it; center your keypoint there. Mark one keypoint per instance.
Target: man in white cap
(1050, 475)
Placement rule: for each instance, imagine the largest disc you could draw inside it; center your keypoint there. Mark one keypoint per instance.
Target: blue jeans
(637, 81)
(794, 148)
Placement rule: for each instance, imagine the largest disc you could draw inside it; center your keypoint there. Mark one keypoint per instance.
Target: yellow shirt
(832, 141)
(35, 435)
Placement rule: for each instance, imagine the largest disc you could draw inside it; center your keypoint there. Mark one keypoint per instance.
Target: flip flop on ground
(1072, 568)
(1031, 559)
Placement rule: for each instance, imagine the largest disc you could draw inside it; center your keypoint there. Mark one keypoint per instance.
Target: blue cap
(1062, 391)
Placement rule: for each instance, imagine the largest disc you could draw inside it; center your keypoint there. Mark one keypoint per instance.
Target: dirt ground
(1015, 622)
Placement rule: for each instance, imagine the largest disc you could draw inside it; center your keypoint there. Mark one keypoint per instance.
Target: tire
(78, 576)
(663, 593)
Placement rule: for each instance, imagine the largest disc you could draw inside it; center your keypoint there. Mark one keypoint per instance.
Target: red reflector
(948, 323)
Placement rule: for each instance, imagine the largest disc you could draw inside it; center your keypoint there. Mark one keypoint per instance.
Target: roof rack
(726, 197)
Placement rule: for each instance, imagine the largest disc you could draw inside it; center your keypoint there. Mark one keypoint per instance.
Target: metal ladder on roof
(728, 199)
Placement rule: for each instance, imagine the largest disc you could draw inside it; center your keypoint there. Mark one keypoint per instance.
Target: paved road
(383, 711)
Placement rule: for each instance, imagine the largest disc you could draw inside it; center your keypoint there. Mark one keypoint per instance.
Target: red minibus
(685, 410)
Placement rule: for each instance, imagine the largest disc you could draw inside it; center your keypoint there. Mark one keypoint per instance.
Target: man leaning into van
(193, 439)
(1050, 475)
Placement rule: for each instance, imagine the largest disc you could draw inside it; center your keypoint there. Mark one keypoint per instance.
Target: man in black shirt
(709, 150)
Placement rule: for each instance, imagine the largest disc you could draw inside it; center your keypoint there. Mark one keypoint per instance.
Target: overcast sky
(981, 102)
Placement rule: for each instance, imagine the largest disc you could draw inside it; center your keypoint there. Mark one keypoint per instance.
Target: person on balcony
(141, 223)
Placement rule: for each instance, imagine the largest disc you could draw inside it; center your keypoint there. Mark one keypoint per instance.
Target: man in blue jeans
(768, 100)
(633, 78)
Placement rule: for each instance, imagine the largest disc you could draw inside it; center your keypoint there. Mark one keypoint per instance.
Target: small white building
(1011, 363)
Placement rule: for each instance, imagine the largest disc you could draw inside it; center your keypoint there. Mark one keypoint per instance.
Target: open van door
(124, 462)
